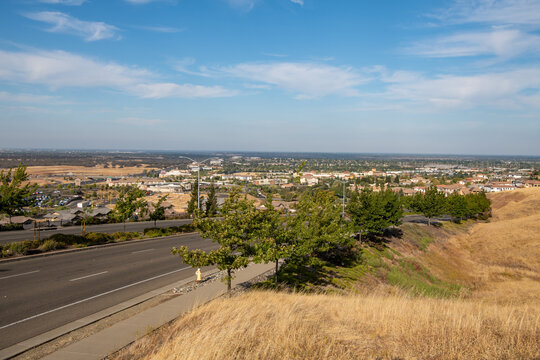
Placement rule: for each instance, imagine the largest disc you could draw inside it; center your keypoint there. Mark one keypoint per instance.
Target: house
(285, 206)
(531, 183)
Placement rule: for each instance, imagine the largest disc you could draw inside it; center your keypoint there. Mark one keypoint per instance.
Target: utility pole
(198, 177)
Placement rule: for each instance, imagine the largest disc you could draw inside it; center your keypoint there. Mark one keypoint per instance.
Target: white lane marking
(140, 251)
(87, 276)
(26, 273)
(93, 297)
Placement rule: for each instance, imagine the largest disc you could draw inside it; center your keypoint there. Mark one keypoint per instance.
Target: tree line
(317, 231)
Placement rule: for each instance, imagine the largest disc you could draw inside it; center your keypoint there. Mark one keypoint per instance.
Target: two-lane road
(40, 294)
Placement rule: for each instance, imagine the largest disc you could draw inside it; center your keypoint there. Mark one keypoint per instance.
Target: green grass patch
(417, 280)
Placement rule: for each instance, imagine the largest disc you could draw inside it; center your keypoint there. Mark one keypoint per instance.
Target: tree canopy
(14, 194)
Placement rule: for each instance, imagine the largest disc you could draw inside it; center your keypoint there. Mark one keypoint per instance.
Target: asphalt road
(40, 294)
(20, 235)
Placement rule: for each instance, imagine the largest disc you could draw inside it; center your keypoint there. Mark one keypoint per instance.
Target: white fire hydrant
(198, 273)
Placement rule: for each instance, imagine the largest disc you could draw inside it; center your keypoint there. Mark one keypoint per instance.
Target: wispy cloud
(299, 2)
(60, 69)
(306, 80)
(495, 89)
(63, 2)
(27, 98)
(161, 29)
(140, 2)
(171, 90)
(517, 12)
(503, 43)
(64, 23)
(243, 5)
(138, 121)
(183, 66)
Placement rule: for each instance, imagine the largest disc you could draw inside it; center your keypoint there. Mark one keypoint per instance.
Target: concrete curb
(67, 251)
(36, 341)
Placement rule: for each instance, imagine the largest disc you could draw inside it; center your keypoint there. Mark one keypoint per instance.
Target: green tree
(457, 206)
(130, 200)
(159, 210)
(192, 209)
(431, 204)
(235, 233)
(275, 239)
(14, 196)
(373, 212)
(318, 226)
(211, 202)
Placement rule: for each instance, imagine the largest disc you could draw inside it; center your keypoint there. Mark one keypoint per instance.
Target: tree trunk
(9, 219)
(155, 223)
(124, 226)
(228, 280)
(429, 221)
(276, 273)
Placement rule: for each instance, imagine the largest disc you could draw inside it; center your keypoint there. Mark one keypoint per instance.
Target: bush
(98, 238)
(20, 247)
(49, 245)
(123, 236)
(10, 227)
(67, 239)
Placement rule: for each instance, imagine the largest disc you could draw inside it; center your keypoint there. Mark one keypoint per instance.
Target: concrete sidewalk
(102, 344)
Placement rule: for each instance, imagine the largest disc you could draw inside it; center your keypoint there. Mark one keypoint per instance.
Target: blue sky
(460, 77)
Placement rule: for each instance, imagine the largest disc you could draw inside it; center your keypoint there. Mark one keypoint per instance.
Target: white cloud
(57, 69)
(184, 64)
(138, 2)
(137, 121)
(64, 23)
(171, 90)
(161, 29)
(518, 12)
(26, 98)
(63, 2)
(244, 5)
(299, 2)
(307, 80)
(504, 43)
(497, 89)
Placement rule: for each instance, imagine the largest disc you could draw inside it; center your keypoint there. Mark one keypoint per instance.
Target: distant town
(76, 186)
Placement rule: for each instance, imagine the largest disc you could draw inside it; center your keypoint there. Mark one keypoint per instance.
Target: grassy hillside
(455, 292)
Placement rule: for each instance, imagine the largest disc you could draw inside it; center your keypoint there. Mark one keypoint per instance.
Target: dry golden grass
(504, 255)
(267, 325)
(178, 201)
(83, 170)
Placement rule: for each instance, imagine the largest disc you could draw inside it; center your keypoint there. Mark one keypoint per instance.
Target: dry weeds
(267, 325)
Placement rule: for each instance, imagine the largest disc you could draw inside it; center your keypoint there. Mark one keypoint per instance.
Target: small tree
(432, 203)
(211, 202)
(235, 233)
(14, 196)
(457, 206)
(129, 201)
(318, 226)
(373, 212)
(276, 241)
(193, 201)
(159, 210)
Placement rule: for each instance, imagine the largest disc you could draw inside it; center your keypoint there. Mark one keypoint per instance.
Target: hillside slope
(485, 278)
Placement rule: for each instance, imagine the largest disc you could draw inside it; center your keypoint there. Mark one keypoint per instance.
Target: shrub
(49, 245)
(20, 247)
(67, 239)
(98, 238)
(123, 236)
(10, 227)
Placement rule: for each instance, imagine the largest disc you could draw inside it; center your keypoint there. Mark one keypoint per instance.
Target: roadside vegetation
(458, 290)
(63, 241)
